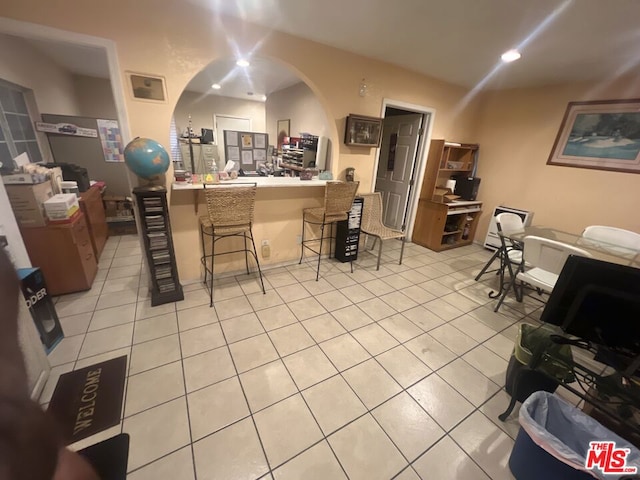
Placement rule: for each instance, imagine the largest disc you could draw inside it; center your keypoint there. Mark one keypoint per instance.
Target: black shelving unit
(158, 244)
(348, 233)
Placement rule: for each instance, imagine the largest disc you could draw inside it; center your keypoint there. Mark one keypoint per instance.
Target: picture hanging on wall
(603, 135)
(363, 131)
(146, 87)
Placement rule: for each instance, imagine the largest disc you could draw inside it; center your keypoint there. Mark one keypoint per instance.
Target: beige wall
(517, 129)
(202, 108)
(179, 42)
(95, 97)
(300, 105)
(53, 88)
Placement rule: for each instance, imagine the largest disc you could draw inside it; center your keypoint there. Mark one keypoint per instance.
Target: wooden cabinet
(93, 209)
(441, 226)
(64, 253)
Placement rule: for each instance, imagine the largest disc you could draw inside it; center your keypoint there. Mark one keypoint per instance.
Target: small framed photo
(145, 87)
(603, 135)
(363, 131)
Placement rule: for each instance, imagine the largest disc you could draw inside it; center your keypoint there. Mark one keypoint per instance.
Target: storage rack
(348, 233)
(158, 244)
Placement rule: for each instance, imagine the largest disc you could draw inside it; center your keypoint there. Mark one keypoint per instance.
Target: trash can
(553, 442)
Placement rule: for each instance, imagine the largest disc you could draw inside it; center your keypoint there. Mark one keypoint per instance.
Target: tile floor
(395, 373)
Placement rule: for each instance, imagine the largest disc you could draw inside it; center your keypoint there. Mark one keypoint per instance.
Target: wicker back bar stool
(229, 214)
(338, 199)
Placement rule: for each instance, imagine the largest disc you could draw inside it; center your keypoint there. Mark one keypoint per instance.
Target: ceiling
(77, 59)
(460, 41)
(261, 77)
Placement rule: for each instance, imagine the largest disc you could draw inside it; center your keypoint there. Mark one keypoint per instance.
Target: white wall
(202, 108)
(95, 97)
(300, 105)
(22, 64)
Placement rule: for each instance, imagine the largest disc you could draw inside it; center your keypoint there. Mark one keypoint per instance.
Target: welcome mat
(89, 400)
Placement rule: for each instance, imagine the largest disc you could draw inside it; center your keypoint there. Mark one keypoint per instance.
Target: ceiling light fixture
(216, 86)
(242, 63)
(510, 56)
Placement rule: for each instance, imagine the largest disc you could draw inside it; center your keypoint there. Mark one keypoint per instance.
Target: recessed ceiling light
(242, 63)
(510, 56)
(264, 98)
(216, 86)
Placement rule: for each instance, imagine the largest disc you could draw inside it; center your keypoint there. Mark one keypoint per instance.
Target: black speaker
(466, 187)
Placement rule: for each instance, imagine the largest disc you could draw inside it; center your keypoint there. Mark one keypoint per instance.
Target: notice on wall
(247, 140)
(111, 140)
(259, 155)
(247, 157)
(66, 129)
(260, 141)
(233, 154)
(231, 137)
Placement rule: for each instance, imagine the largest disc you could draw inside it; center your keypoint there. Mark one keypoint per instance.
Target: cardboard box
(116, 206)
(27, 203)
(444, 195)
(62, 214)
(23, 178)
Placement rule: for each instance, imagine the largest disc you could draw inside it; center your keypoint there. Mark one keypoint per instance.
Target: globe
(146, 158)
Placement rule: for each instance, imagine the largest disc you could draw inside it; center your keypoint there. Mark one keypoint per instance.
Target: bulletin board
(247, 149)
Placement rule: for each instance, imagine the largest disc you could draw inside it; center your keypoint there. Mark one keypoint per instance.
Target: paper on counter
(229, 166)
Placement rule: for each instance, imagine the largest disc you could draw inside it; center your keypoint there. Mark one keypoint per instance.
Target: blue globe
(146, 158)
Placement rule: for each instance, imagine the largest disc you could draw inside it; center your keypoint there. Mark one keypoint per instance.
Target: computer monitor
(599, 302)
(206, 136)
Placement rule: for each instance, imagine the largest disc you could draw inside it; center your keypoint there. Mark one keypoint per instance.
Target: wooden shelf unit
(442, 226)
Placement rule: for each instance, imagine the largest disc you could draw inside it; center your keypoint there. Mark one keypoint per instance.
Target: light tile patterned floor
(371, 375)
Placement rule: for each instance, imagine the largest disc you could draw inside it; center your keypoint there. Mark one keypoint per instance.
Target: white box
(62, 202)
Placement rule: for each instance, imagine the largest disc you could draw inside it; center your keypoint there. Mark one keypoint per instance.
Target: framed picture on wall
(283, 130)
(146, 87)
(603, 135)
(362, 131)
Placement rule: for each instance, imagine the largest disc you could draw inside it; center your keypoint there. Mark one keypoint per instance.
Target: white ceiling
(460, 41)
(261, 77)
(77, 59)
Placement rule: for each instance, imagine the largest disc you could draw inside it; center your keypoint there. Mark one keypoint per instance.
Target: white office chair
(510, 252)
(546, 259)
(615, 240)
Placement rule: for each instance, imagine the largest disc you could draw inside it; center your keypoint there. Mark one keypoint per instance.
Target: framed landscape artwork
(363, 131)
(603, 135)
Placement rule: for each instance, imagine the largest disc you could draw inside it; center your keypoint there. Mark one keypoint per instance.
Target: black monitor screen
(207, 135)
(597, 301)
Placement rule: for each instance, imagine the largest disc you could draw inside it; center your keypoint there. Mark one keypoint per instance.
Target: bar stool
(338, 199)
(230, 214)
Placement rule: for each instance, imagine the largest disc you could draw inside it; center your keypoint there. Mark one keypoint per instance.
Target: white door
(400, 138)
(226, 122)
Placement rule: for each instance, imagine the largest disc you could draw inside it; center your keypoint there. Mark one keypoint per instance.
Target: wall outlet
(299, 239)
(266, 250)
(265, 243)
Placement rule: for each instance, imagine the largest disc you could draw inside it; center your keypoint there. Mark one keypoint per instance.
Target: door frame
(420, 162)
(219, 138)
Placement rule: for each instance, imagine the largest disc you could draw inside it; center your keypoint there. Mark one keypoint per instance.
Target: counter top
(261, 182)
